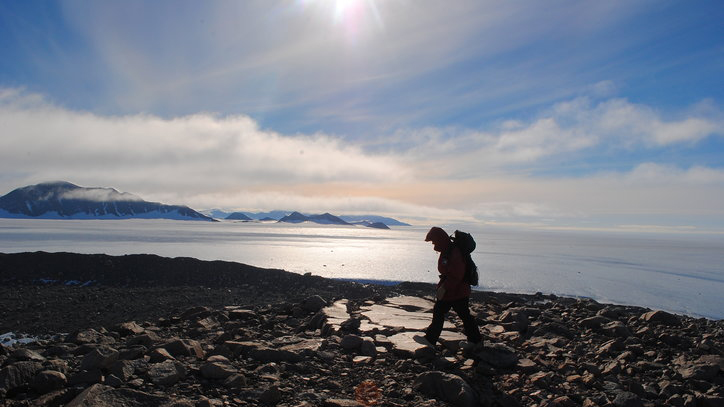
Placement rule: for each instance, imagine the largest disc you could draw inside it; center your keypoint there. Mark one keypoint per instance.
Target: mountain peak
(294, 217)
(64, 200)
(55, 184)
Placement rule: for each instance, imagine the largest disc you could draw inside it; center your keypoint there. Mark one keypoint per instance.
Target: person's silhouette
(452, 289)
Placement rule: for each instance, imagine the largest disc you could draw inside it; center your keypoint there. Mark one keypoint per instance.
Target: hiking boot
(422, 340)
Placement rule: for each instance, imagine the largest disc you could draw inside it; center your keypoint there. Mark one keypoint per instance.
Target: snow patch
(11, 339)
(174, 215)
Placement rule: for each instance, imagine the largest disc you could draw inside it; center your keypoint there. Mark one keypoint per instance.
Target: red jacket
(451, 267)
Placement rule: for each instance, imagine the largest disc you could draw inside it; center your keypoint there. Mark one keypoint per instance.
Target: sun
(352, 17)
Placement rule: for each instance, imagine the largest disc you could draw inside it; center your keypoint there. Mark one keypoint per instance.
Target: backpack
(465, 242)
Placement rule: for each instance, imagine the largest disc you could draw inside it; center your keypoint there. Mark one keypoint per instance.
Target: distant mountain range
(286, 216)
(328, 219)
(63, 200)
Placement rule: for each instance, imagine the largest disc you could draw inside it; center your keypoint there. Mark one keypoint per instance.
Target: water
(677, 273)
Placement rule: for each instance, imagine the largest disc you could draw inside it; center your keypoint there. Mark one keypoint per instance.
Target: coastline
(185, 332)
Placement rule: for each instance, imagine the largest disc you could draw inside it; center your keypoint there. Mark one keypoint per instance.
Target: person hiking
(453, 291)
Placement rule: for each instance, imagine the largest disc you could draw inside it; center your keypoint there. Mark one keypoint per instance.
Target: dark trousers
(462, 308)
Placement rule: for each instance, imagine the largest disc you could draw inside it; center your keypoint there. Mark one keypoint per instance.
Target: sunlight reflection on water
(675, 273)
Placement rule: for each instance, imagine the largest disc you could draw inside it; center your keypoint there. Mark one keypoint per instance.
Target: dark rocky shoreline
(181, 332)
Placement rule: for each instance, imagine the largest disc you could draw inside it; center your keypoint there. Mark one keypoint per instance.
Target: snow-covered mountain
(238, 216)
(371, 219)
(366, 220)
(369, 224)
(324, 219)
(63, 200)
(329, 219)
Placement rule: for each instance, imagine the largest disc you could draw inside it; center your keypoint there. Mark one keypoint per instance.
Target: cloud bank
(505, 173)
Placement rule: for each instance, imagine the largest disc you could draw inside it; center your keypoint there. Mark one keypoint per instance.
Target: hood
(438, 237)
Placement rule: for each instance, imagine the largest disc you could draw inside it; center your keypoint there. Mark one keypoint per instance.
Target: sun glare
(352, 17)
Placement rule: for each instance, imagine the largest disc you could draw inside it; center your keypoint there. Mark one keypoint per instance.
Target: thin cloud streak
(259, 58)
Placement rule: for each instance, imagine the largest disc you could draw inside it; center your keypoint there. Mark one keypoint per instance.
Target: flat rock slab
(410, 302)
(406, 343)
(336, 313)
(409, 313)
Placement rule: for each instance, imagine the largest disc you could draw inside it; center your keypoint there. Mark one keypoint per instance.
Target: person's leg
(462, 308)
(432, 333)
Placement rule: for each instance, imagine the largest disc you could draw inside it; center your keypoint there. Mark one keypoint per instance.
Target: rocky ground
(181, 332)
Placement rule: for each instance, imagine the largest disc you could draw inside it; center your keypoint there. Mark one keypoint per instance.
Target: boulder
(132, 353)
(18, 374)
(610, 312)
(181, 347)
(101, 357)
(128, 328)
(86, 336)
(368, 348)
(217, 370)
(551, 329)
(23, 354)
(612, 346)
(148, 339)
(498, 355)
(166, 373)
(55, 398)
(241, 348)
(122, 369)
(351, 342)
(447, 387)
(159, 355)
(699, 370)
(48, 380)
(195, 313)
(661, 317)
(514, 320)
(265, 354)
(83, 377)
(616, 329)
(594, 322)
(235, 381)
(271, 395)
(627, 399)
(242, 314)
(313, 304)
(100, 395)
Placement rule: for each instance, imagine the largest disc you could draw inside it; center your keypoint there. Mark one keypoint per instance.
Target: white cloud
(578, 127)
(200, 152)
(634, 124)
(208, 161)
(543, 138)
(688, 130)
(658, 174)
(512, 210)
(249, 200)
(649, 194)
(99, 195)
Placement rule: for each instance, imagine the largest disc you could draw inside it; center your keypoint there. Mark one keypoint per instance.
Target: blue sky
(561, 113)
